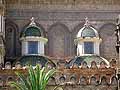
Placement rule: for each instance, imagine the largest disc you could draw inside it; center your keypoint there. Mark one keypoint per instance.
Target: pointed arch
(59, 40)
(11, 39)
(107, 29)
(74, 33)
(107, 47)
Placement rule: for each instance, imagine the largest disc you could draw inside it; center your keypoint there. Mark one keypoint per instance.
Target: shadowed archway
(59, 40)
(107, 47)
(11, 39)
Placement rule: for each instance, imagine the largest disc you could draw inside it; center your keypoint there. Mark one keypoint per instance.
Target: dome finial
(118, 19)
(32, 21)
(86, 22)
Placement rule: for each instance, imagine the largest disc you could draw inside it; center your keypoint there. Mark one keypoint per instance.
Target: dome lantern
(33, 40)
(87, 40)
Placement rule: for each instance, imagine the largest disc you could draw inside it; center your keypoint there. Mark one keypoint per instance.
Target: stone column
(117, 33)
(2, 35)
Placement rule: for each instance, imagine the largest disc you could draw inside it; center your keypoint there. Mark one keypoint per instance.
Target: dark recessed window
(32, 31)
(88, 47)
(32, 47)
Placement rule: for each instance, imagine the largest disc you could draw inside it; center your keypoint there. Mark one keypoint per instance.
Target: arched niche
(59, 40)
(74, 33)
(11, 39)
(83, 80)
(103, 81)
(107, 47)
(114, 81)
(93, 80)
(9, 79)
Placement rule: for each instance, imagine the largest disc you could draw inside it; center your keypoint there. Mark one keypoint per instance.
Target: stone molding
(72, 15)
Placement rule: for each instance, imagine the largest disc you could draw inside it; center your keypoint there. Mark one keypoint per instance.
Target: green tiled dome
(31, 31)
(34, 59)
(88, 32)
(88, 59)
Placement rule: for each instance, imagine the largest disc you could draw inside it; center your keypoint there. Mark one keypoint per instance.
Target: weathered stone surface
(64, 4)
(70, 21)
(61, 20)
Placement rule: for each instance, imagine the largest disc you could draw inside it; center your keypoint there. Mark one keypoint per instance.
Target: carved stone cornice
(63, 14)
(50, 2)
(64, 4)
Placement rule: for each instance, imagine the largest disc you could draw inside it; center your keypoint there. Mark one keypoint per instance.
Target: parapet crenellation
(86, 76)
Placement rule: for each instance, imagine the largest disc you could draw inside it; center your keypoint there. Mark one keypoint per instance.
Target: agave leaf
(36, 79)
(37, 76)
(32, 77)
(18, 86)
(23, 80)
(48, 75)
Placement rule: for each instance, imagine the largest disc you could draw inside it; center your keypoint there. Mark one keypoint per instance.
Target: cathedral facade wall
(62, 23)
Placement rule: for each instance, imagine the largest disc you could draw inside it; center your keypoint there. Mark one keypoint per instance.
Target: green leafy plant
(36, 79)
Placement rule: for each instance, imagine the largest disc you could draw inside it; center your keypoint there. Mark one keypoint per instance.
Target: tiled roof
(31, 31)
(33, 60)
(88, 59)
